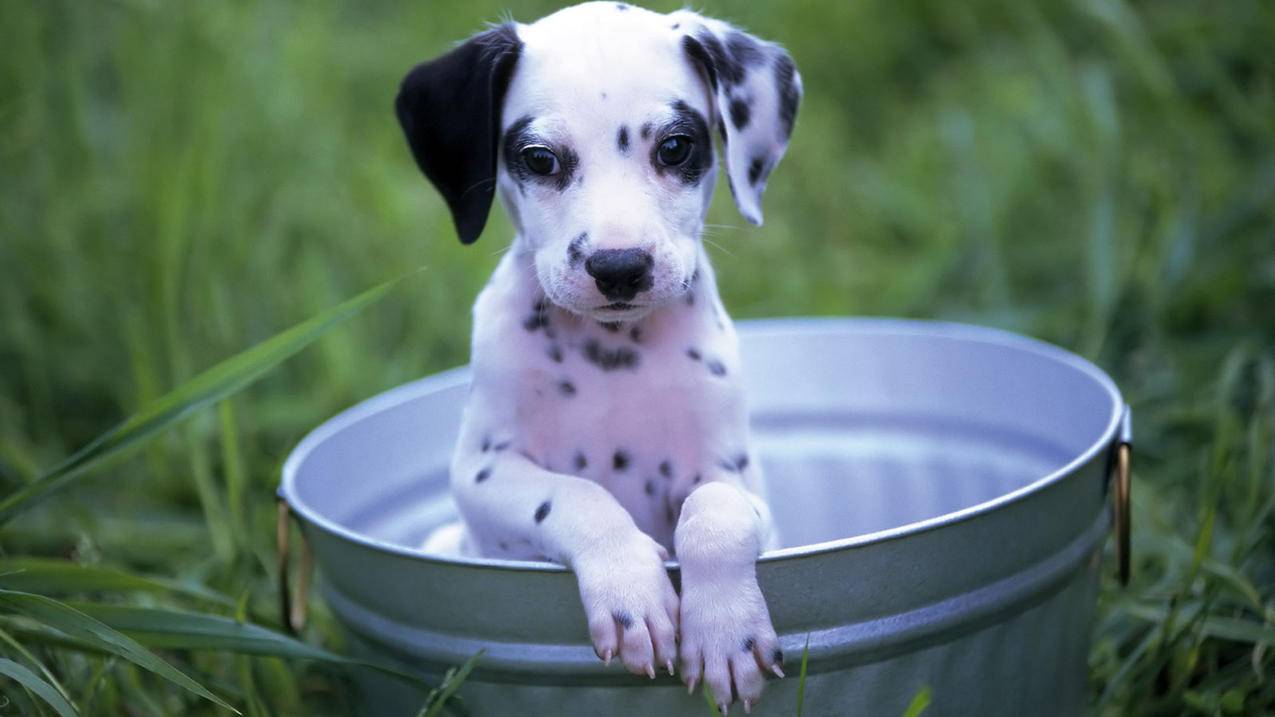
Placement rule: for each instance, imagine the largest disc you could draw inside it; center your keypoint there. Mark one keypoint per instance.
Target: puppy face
(607, 163)
(596, 125)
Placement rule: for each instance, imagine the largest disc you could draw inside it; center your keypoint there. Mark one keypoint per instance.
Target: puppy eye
(540, 160)
(674, 150)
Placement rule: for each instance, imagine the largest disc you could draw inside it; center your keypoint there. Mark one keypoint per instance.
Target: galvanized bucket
(941, 492)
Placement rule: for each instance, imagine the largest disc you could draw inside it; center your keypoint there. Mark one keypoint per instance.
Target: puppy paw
(728, 641)
(630, 604)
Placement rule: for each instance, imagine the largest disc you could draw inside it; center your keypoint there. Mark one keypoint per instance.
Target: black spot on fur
(646, 130)
(575, 250)
(539, 317)
(736, 464)
(555, 353)
(566, 388)
(724, 62)
(729, 70)
(650, 487)
(744, 49)
(695, 50)
(666, 469)
(670, 511)
(624, 619)
(620, 460)
(693, 354)
(635, 334)
(715, 367)
(482, 475)
(569, 160)
(622, 6)
(789, 97)
(486, 444)
(739, 113)
(676, 25)
(611, 326)
(501, 446)
(697, 479)
(622, 139)
(518, 137)
(748, 644)
(689, 122)
(610, 359)
(543, 511)
(503, 546)
(755, 169)
(690, 298)
(580, 462)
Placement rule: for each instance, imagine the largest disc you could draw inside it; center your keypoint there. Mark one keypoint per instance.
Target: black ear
(450, 111)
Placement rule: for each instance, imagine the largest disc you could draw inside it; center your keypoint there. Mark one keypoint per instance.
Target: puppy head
(595, 124)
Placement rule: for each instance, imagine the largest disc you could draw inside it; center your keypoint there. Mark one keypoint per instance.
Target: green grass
(180, 181)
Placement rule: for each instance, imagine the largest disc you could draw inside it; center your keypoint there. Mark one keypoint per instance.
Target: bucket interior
(860, 426)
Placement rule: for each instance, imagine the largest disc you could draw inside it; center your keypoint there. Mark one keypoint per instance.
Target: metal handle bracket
(1121, 495)
(292, 613)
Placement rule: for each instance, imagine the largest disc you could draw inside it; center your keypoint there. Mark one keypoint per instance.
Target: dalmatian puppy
(606, 428)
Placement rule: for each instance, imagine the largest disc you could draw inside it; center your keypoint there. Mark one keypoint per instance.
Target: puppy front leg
(727, 636)
(630, 604)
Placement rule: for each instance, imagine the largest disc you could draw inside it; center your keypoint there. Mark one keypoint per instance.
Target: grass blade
(708, 700)
(920, 701)
(94, 683)
(173, 629)
(28, 679)
(215, 384)
(1219, 628)
(84, 627)
(49, 576)
(26, 654)
(455, 677)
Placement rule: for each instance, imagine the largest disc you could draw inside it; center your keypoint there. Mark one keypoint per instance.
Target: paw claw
(606, 658)
(779, 671)
(669, 666)
(723, 708)
(748, 706)
(650, 670)
(690, 686)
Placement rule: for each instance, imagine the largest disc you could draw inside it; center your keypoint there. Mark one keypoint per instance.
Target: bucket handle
(292, 613)
(1121, 495)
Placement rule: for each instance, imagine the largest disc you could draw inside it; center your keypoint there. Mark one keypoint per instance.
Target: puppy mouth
(619, 311)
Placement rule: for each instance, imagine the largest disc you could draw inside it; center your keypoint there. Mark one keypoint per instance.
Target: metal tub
(940, 491)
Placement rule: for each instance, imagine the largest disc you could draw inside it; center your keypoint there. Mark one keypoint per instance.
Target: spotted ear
(756, 90)
(450, 111)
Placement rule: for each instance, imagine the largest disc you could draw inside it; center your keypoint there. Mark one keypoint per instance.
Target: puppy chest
(601, 393)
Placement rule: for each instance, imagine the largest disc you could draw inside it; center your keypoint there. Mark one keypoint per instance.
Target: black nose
(620, 273)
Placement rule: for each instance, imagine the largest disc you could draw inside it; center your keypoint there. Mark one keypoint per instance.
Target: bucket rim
(986, 335)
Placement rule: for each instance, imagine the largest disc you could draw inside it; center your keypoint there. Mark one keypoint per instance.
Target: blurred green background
(181, 180)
